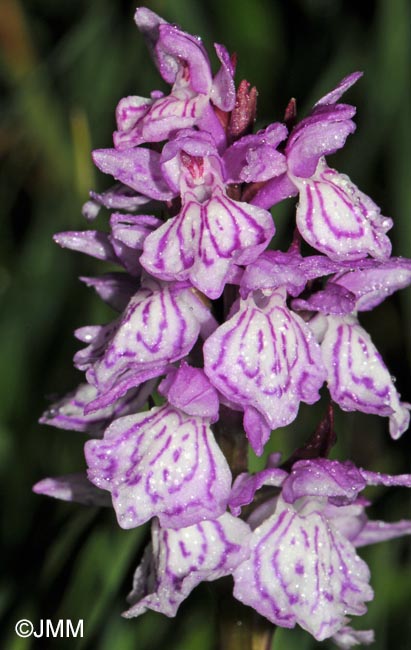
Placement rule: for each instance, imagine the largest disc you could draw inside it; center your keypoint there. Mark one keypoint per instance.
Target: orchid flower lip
(189, 481)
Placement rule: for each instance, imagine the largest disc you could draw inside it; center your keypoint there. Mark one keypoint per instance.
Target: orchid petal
(320, 134)
(265, 357)
(346, 637)
(334, 299)
(128, 233)
(130, 110)
(148, 23)
(97, 338)
(189, 390)
(373, 285)
(321, 477)
(349, 519)
(358, 380)
(68, 412)
(246, 485)
(334, 95)
(352, 522)
(171, 113)
(222, 92)
(273, 191)
(137, 168)
(178, 560)
(118, 197)
(273, 269)
(129, 114)
(158, 327)
(389, 480)
(72, 487)
(115, 289)
(381, 531)
(180, 53)
(162, 463)
(337, 219)
(301, 570)
(205, 240)
(90, 242)
(255, 157)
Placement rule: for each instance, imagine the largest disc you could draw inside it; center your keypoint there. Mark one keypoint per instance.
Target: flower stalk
(241, 628)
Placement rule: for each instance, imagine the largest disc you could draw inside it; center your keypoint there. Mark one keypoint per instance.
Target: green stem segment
(241, 628)
(230, 435)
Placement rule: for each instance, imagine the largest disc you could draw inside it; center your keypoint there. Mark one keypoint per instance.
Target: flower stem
(241, 628)
(230, 435)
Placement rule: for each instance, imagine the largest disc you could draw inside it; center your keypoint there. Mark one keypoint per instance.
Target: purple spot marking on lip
(299, 568)
(135, 480)
(260, 340)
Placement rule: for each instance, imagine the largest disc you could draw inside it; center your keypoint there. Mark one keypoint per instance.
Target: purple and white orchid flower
(182, 62)
(265, 361)
(302, 567)
(212, 233)
(178, 560)
(357, 377)
(163, 463)
(333, 215)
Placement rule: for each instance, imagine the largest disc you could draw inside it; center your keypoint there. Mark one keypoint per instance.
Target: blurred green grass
(64, 66)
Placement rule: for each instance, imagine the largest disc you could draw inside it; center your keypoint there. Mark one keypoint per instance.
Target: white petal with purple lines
(178, 560)
(358, 379)
(68, 412)
(265, 359)
(337, 219)
(161, 463)
(179, 110)
(301, 570)
(205, 240)
(157, 328)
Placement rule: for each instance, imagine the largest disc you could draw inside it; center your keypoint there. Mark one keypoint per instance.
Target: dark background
(64, 67)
